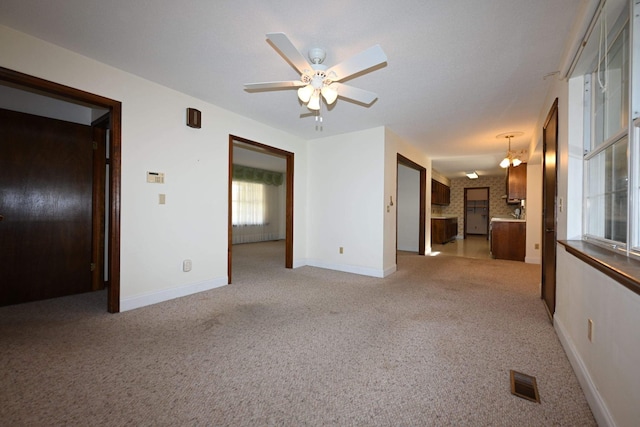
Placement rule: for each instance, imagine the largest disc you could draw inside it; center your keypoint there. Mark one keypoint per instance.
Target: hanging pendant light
(512, 158)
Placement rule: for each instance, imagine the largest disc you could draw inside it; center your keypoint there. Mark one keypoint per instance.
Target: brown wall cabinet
(516, 183)
(443, 230)
(508, 240)
(440, 193)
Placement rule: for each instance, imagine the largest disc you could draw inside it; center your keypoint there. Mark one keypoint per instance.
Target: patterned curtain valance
(246, 173)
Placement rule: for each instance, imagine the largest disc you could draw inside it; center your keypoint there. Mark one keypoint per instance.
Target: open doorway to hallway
(410, 206)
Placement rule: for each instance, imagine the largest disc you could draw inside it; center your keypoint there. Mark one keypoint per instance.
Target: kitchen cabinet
(443, 230)
(440, 193)
(508, 239)
(516, 183)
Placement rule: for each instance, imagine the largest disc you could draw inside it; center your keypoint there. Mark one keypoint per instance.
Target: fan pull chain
(319, 117)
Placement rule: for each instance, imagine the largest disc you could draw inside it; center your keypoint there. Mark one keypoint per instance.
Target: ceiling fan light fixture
(330, 94)
(319, 81)
(516, 162)
(314, 102)
(505, 163)
(305, 92)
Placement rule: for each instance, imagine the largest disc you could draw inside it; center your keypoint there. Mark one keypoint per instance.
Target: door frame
(289, 157)
(549, 217)
(55, 90)
(99, 128)
(404, 161)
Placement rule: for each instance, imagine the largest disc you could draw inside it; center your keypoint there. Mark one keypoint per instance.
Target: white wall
(408, 208)
(352, 178)
(533, 212)
(607, 366)
(346, 181)
(155, 238)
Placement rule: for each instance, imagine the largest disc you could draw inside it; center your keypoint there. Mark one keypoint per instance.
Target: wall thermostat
(155, 177)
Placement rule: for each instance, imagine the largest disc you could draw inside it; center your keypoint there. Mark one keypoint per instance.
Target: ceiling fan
(318, 80)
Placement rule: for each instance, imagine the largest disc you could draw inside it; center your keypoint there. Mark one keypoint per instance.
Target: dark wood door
(549, 192)
(46, 169)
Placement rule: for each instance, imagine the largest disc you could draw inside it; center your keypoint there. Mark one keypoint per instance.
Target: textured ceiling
(458, 72)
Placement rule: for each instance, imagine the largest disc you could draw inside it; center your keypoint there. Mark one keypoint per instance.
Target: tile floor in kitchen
(474, 246)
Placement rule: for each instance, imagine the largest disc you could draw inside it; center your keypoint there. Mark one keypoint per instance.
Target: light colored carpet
(430, 345)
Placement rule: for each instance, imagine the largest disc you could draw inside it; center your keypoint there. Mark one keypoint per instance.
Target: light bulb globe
(314, 102)
(329, 94)
(305, 92)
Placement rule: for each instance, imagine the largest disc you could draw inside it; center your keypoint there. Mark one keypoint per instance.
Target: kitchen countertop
(498, 219)
(443, 216)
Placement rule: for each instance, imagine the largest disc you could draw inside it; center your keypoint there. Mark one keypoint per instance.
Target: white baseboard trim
(533, 260)
(364, 271)
(299, 263)
(390, 270)
(596, 403)
(150, 298)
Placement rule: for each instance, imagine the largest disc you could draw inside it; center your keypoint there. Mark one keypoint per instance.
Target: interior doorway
(111, 228)
(235, 141)
(476, 211)
(410, 205)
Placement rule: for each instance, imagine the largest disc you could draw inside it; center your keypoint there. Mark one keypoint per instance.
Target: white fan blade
(274, 85)
(359, 95)
(360, 62)
(291, 54)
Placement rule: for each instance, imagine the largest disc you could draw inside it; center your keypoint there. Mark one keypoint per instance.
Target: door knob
(1, 217)
(549, 230)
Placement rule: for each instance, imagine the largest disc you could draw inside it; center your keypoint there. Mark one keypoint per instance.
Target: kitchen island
(508, 238)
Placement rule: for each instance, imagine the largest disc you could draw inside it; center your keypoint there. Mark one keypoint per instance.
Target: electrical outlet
(590, 329)
(536, 246)
(341, 250)
(186, 265)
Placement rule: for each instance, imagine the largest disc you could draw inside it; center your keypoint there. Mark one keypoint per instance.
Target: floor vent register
(524, 386)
